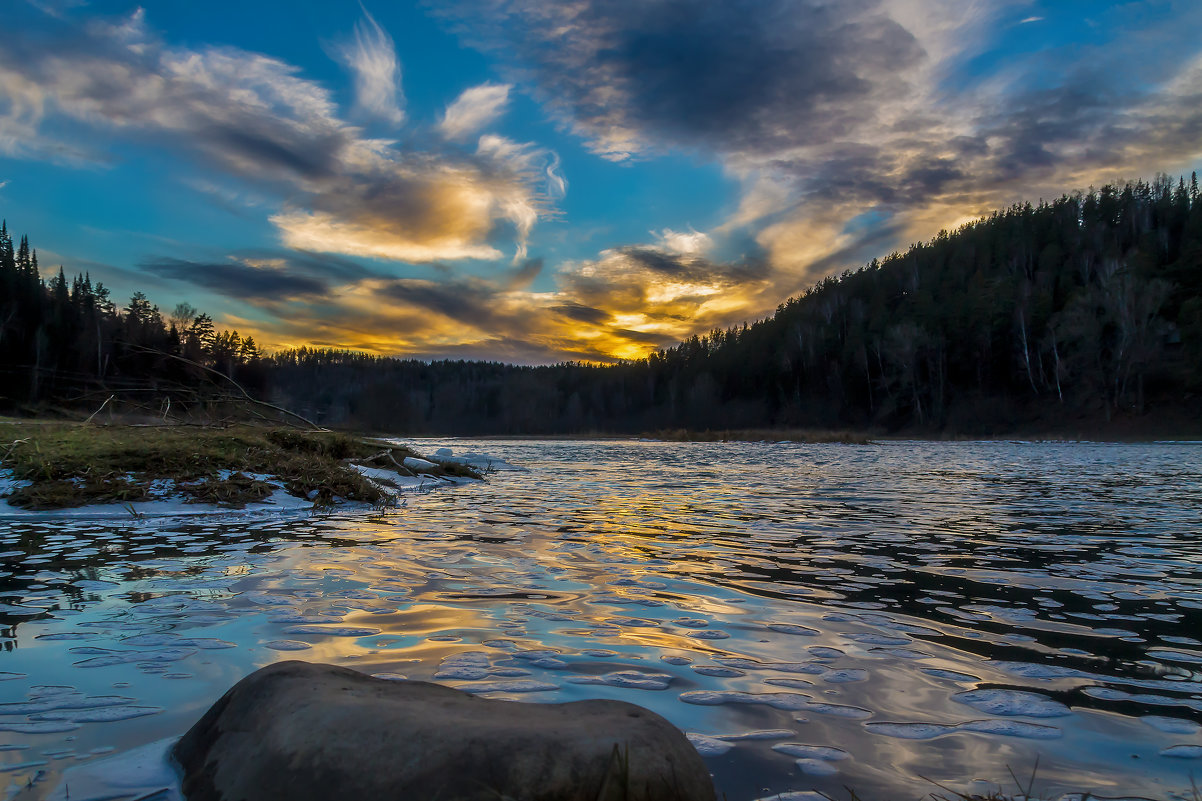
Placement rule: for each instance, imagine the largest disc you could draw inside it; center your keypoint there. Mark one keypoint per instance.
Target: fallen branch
(400, 467)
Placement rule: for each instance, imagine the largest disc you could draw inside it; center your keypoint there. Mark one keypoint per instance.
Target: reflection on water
(817, 617)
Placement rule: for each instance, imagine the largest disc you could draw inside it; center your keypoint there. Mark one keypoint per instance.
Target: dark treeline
(1052, 315)
(1049, 315)
(66, 343)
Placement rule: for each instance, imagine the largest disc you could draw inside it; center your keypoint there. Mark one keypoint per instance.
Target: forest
(1071, 313)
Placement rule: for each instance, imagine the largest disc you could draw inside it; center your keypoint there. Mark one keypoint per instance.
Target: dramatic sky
(541, 180)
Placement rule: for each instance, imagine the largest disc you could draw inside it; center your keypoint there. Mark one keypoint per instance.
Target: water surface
(816, 616)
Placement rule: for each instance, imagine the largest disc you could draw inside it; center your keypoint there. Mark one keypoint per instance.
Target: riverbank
(47, 466)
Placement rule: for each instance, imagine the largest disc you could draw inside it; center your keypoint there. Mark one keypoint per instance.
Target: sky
(537, 181)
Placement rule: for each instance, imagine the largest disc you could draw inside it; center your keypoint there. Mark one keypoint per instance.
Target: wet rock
(301, 731)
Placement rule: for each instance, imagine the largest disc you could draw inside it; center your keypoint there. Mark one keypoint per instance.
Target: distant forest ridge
(1055, 315)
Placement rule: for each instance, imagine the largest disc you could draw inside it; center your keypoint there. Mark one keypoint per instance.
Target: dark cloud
(460, 301)
(753, 75)
(524, 275)
(581, 313)
(690, 267)
(643, 337)
(239, 280)
(319, 265)
(470, 303)
(244, 138)
(750, 75)
(657, 260)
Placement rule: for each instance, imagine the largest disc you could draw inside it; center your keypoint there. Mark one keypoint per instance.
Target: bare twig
(98, 411)
(12, 448)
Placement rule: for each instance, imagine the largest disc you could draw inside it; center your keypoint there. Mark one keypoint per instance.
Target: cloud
(635, 298)
(399, 216)
(621, 305)
(524, 275)
(824, 112)
(685, 243)
(582, 313)
(239, 279)
(849, 128)
(371, 56)
(476, 108)
(633, 76)
(261, 123)
(56, 8)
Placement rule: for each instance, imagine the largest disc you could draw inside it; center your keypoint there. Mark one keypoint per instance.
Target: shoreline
(66, 470)
(52, 469)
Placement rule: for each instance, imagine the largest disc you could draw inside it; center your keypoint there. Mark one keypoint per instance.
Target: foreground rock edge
(302, 731)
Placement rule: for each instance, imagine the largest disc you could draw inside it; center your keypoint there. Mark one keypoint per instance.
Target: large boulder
(296, 731)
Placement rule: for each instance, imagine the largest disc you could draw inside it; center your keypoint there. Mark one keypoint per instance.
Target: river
(882, 617)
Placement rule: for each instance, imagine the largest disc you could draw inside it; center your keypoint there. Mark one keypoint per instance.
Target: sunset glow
(536, 181)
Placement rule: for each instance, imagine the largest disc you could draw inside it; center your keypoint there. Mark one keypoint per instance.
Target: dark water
(876, 617)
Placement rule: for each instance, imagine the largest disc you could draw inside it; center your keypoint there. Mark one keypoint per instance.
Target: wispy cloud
(371, 56)
(239, 278)
(260, 122)
(56, 8)
(476, 108)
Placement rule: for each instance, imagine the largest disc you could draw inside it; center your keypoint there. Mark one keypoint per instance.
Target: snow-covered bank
(167, 501)
(305, 478)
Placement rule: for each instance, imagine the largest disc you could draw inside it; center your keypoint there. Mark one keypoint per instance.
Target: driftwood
(400, 467)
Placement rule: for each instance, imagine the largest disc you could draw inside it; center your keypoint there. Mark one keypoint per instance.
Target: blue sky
(539, 180)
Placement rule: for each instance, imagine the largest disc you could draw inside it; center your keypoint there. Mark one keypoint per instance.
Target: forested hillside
(1056, 314)
(67, 344)
(1070, 311)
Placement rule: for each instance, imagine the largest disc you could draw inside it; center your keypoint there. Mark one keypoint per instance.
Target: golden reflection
(635, 556)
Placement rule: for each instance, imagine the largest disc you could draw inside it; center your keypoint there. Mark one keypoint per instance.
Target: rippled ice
(815, 617)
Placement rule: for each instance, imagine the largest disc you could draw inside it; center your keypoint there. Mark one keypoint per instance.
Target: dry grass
(70, 464)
